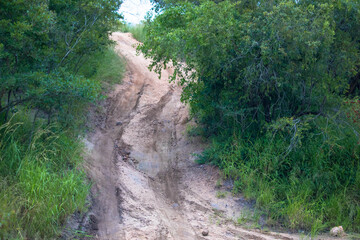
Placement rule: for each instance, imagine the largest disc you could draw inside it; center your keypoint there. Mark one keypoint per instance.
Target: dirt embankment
(146, 184)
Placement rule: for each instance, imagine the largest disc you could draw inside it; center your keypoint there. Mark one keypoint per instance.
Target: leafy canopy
(43, 44)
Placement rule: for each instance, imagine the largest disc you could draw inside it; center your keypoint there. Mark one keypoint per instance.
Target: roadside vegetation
(274, 86)
(41, 178)
(106, 67)
(54, 59)
(137, 30)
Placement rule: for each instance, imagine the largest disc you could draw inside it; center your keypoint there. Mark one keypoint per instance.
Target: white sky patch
(135, 10)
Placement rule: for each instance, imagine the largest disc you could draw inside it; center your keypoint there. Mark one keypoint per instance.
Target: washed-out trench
(146, 184)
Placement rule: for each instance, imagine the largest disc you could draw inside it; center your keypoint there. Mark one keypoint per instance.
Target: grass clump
(40, 183)
(220, 194)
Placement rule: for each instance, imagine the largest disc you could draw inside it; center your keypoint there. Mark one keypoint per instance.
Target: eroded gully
(145, 182)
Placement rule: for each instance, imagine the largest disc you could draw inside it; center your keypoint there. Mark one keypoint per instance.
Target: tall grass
(40, 184)
(313, 187)
(105, 67)
(136, 30)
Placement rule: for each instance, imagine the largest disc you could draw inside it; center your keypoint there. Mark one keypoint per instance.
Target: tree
(42, 46)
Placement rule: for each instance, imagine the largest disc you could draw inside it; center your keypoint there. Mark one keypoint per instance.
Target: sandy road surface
(146, 185)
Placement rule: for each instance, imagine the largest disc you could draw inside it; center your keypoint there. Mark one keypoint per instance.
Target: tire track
(146, 185)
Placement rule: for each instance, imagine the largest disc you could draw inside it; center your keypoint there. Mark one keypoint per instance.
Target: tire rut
(146, 185)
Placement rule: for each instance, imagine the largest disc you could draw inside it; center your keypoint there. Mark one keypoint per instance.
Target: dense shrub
(267, 81)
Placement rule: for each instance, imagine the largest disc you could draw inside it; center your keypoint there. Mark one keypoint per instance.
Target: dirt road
(146, 184)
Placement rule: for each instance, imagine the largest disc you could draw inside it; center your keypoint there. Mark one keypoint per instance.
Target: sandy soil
(146, 184)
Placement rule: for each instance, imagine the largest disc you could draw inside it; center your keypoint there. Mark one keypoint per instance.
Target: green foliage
(104, 67)
(60, 94)
(45, 90)
(221, 194)
(267, 81)
(43, 45)
(310, 185)
(39, 181)
(253, 66)
(137, 31)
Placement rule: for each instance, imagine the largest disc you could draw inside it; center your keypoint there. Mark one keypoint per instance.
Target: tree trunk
(8, 103)
(267, 104)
